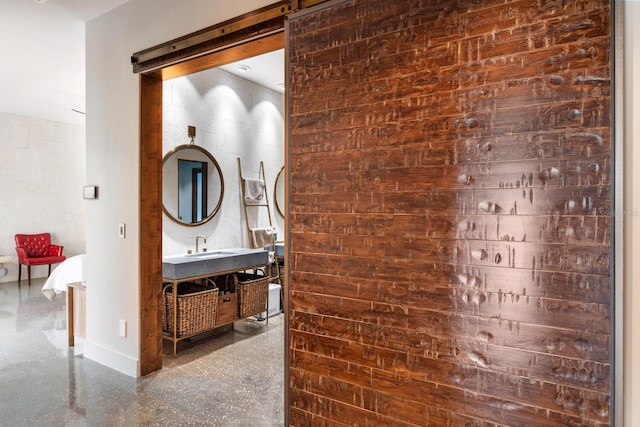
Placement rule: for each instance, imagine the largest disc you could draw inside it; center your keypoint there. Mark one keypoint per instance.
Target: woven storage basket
(196, 308)
(253, 291)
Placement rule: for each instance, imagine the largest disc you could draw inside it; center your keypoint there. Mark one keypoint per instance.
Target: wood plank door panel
(449, 174)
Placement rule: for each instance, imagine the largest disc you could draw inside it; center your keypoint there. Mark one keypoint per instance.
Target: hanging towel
(261, 237)
(253, 190)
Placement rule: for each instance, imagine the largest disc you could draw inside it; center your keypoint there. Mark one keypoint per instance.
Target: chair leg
(29, 274)
(49, 274)
(19, 273)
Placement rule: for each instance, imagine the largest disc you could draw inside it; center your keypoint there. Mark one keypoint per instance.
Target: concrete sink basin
(212, 254)
(183, 266)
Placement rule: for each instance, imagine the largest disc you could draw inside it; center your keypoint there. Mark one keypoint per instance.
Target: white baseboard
(111, 359)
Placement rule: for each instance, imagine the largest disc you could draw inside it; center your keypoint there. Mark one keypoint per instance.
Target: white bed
(70, 270)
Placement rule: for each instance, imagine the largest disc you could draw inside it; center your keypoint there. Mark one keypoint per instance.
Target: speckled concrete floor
(233, 377)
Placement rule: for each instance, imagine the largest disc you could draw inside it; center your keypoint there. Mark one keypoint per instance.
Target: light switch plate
(122, 230)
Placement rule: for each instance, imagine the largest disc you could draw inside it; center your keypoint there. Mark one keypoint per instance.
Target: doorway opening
(151, 153)
(237, 111)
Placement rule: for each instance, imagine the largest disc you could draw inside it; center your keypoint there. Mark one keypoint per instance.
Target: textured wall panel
(450, 213)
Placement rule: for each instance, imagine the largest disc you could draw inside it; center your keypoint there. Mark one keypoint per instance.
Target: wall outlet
(122, 328)
(122, 230)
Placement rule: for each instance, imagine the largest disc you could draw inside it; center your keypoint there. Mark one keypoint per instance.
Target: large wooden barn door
(450, 211)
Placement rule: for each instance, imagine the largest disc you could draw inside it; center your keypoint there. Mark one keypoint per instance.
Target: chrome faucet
(200, 237)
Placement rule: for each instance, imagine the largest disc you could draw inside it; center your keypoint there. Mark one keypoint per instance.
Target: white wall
(233, 118)
(632, 215)
(42, 172)
(113, 125)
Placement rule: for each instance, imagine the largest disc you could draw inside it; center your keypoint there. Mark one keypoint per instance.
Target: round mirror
(279, 192)
(192, 185)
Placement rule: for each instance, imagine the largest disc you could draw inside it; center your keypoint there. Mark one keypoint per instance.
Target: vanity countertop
(184, 266)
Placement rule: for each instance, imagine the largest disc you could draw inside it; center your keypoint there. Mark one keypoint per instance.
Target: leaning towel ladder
(257, 205)
(246, 217)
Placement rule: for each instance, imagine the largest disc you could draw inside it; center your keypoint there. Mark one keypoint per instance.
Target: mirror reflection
(192, 184)
(192, 190)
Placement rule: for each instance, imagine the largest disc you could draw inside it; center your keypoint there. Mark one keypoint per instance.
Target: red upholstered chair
(36, 249)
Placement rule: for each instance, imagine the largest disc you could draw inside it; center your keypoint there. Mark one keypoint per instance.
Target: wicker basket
(196, 308)
(253, 291)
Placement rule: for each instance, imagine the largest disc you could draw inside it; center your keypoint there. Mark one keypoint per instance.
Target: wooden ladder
(246, 205)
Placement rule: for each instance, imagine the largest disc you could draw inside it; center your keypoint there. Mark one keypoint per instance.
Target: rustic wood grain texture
(150, 223)
(450, 214)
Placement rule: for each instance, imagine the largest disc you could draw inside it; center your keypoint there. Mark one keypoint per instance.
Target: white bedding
(70, 270)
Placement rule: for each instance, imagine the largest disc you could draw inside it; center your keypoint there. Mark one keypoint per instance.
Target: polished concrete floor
(233, 377)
